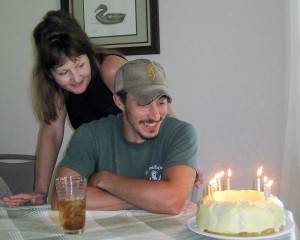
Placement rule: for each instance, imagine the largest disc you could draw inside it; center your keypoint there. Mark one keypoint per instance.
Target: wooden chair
(17, 170)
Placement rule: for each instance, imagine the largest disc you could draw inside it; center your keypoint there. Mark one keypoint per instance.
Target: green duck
(110, 18)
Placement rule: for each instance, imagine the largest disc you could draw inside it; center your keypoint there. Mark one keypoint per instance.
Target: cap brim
(146, 94)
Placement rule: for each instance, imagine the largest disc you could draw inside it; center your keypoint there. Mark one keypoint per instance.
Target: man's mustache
(150, 121)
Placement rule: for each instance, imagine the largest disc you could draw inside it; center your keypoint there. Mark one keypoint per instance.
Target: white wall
(226, 62)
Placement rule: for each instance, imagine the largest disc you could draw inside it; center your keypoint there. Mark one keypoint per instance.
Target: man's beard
(149, 121)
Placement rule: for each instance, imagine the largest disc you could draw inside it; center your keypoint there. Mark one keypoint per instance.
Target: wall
(226, 62)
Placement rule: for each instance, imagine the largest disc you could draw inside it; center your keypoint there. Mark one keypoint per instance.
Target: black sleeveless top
(95, 103)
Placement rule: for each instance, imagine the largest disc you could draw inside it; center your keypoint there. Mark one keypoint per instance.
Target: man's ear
(119, 103)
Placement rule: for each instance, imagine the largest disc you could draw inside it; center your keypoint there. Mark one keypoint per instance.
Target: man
(142, 158)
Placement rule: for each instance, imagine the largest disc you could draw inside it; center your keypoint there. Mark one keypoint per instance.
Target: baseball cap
(143, 79)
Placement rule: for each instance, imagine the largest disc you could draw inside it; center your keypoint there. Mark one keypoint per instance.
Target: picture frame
(137, 34)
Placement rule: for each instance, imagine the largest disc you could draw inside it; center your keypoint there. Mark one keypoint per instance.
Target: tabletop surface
(41, 223)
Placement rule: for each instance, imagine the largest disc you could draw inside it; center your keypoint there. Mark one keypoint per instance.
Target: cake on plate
(240, 213)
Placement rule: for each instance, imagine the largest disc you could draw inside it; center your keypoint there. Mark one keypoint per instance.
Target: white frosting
(234, 212)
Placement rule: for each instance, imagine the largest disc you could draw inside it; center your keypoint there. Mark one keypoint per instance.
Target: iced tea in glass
(71, 196)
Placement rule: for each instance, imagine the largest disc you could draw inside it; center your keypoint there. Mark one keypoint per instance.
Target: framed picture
(129, 26)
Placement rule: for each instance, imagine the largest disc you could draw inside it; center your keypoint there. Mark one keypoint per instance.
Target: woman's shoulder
(108, 69)
(109, 56)
(112, 59)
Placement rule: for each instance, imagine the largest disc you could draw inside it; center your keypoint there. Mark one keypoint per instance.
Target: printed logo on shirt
(154, 172)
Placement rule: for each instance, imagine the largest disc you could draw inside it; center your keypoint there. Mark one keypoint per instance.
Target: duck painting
(109, 18)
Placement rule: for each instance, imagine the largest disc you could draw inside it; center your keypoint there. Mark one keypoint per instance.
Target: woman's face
(74, 75)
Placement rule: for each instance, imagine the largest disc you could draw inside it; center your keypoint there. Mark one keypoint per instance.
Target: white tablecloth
(42, 223)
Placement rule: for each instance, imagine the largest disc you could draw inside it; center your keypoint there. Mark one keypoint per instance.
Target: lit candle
(265, 186)
(215, 185)
(258, 178)
(212, 183)
(265, 181)
(228, 178)
(269, 184)
(267, 189)
(218, 176)
(212, 187)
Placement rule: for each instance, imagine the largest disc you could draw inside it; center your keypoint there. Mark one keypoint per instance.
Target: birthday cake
(243, 213)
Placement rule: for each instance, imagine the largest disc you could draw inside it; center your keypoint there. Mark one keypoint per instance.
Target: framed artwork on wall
(129, 26)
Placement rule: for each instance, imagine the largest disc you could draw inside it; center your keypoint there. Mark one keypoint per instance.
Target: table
(41, 223)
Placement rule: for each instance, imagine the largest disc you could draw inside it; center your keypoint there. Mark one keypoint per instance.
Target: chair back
(17, 170)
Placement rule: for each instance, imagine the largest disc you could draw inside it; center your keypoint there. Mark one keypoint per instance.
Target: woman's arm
(172, 111)
(108, 69)
(49, 143)
(48, 146)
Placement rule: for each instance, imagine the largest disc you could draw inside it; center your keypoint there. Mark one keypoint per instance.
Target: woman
(68, 79)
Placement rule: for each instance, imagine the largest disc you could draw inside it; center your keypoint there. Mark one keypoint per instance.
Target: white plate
(290, 225)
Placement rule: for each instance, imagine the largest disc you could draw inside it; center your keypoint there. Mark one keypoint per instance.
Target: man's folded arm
(168, 195)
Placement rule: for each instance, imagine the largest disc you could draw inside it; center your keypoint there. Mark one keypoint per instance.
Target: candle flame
(219, 175)
(265, 179)
(229, 172)
(269, 184)
(259, 171)
(213, 182)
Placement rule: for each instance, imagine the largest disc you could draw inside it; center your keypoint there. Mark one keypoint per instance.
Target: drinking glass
(71, 196)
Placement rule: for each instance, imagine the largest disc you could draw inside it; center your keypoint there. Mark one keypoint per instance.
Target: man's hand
(95, 180)
(199, 179)
(189, 205)
(25, 199)
(101, 178)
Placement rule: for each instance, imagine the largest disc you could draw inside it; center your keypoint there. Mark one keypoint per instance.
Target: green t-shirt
(100, 145)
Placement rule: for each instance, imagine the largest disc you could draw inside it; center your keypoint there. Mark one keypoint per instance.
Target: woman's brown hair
(57, 37)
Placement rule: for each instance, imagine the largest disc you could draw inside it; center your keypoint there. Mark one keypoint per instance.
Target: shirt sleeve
(182, 147)
(80, 155)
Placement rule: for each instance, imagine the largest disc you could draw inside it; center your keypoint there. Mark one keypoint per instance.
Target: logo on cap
(150, 71)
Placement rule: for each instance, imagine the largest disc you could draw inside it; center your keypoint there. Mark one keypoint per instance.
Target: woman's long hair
(58, 37)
